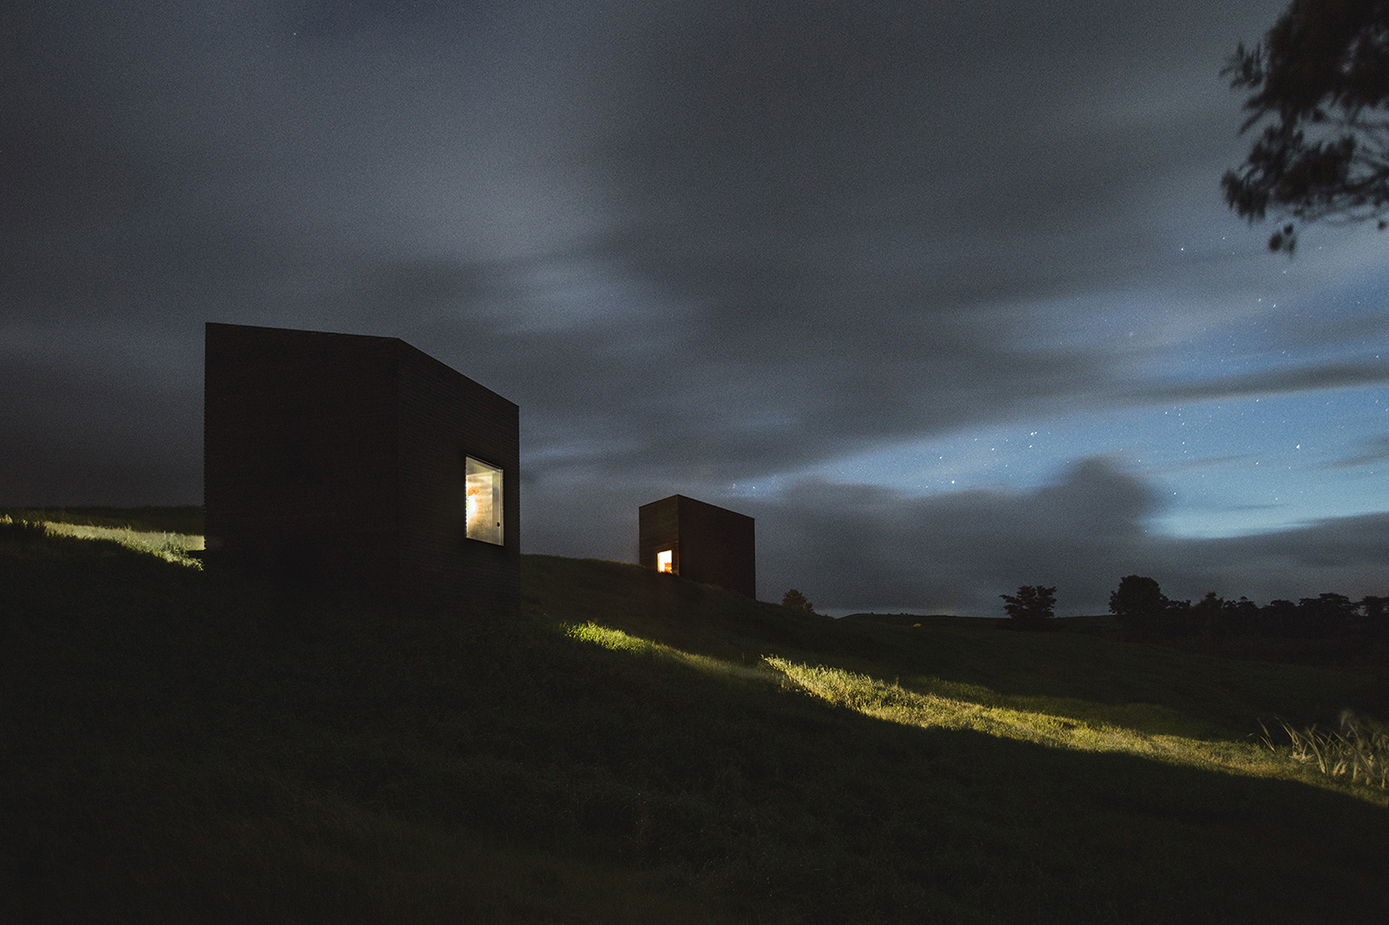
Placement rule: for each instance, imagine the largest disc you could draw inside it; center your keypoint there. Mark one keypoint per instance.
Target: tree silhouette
(1326, 628)
(1032, 607)
(1139, 600)
(797, 601)
(1319, 85)
(1376, 611)
(1326, 615)
(1207, 615)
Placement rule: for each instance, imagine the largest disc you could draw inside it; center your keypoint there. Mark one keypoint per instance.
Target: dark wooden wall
(444, 418)
(712, 545)
(658, 528)
(333, 465)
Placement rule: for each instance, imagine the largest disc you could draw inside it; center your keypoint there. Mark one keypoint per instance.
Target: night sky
(944, 294)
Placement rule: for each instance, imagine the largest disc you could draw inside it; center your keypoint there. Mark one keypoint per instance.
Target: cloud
(1282, 381)
(703, 245)
(748, 238)
(956, 553)
(852, 546)
(1375, 451)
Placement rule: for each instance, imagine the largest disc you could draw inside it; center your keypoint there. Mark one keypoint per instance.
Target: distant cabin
(700, 542)
(359, 469)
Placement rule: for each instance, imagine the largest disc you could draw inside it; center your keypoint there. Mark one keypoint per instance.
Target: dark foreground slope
(175, 751)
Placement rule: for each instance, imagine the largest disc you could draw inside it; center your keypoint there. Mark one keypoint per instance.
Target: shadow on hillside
(1192, 694)
(170, 741)
(1090, 835)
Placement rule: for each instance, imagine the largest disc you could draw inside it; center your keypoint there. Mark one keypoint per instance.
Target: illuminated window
(484, 484)
(665, 561)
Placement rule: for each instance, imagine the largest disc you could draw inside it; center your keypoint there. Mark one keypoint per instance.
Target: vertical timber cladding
(711, 544)
(334, 464)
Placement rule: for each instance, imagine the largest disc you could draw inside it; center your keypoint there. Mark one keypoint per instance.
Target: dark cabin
(700, 542)
(359, 469)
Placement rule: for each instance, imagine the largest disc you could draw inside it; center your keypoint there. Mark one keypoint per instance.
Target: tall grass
(172, 547)
(182, 548)
(186, 519)
(1359, 751)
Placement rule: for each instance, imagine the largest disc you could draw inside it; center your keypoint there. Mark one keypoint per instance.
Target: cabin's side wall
(712, 545)
(719, 546)
(446, 417)
(299, 461)
(333, 467)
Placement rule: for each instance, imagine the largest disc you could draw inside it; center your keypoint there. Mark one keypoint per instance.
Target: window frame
(495, 534)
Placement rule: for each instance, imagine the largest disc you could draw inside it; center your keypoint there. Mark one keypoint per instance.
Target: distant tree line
(1145, 612)
(1331, 625)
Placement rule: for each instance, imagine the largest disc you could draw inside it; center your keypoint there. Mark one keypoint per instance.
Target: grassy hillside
(172, 533)
(637, 748)
(185, 520)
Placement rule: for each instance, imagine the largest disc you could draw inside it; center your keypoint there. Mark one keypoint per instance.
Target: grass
(140, 529)
(187, 519)
(1359, 751)
(637, 748)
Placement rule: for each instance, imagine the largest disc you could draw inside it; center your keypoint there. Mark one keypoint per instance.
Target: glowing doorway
(665, 561)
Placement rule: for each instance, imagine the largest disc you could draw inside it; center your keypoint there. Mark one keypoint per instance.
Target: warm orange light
(665, 561)
(483, 507)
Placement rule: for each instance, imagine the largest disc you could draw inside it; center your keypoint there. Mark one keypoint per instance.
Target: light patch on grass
(172, 547)
(1053, 722)
(891, 702)
(619, 641)
(608, 638)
